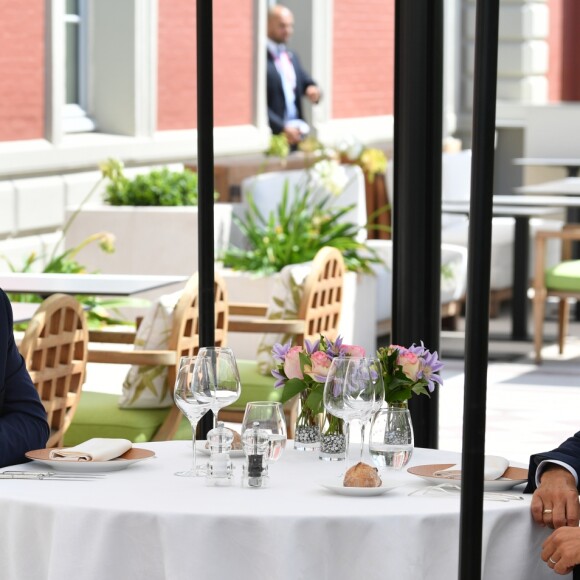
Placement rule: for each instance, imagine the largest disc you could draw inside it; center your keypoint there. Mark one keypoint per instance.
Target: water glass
(391, 441)
(270, 417)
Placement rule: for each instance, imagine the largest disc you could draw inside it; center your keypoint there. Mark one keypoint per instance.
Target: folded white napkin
(97, 449)
(493, 468)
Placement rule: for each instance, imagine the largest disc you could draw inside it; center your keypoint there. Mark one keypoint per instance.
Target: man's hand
(561, 551)
(293, 135)
(313, 93)
(555, 502)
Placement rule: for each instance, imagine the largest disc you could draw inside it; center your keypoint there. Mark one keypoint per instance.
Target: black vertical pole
(205, 165)
(417, 184)
(477, 306)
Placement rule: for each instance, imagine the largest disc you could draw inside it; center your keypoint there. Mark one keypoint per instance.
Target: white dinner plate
(336, 486)
(132, 456)
(513, 476)
(201, 448)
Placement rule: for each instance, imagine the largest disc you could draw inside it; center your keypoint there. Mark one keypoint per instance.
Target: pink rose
(319, 368)
(352, 350)
(410, 363)
(292, 363)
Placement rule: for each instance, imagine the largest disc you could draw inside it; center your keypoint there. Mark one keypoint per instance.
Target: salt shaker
(220, 467)
(256, 443)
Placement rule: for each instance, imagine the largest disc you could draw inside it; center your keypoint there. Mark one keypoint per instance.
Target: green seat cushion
(564, 276)
(98, 415)
(255, 386)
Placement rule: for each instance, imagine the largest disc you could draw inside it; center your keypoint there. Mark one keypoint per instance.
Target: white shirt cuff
(543, 464)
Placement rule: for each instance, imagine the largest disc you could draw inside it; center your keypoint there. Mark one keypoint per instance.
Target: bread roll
(362, 475)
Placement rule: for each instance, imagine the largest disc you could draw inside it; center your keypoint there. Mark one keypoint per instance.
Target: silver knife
(49, 475)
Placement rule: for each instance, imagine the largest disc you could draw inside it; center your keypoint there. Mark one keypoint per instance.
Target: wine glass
(391, 439)
(349, 392)
(186, 395)
(270, 416)
(360, 393)
(220, 383)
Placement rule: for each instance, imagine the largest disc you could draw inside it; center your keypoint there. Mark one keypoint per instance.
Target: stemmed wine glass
(219, 378)
(270, 416)
(360, 393)
(187, 399)
(349, 392)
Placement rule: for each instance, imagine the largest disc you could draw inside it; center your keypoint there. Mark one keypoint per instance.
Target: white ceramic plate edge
(90, 466)
(495, 485)
(340, 489)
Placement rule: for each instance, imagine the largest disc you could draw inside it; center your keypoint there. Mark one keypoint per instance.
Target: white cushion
(145, 387)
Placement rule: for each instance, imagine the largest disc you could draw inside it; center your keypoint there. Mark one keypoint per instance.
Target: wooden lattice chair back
(322, 299)
(184, 338)
(55, 347)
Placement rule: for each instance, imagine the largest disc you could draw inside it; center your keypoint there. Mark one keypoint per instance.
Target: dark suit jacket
(568, 452)
(276, 101)
(23, 425)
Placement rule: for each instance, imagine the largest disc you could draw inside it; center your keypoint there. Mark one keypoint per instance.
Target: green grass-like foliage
(294, 233)
(158, 187)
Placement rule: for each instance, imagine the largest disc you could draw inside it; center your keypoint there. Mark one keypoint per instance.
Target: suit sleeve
(23, 424)
(303, 78)
(568, 452)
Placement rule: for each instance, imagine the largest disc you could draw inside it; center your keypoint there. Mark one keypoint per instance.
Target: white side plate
(132, 456)
(337, 487)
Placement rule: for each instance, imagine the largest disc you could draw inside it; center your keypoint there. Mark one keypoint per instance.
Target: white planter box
(358, 318)
(148, 240)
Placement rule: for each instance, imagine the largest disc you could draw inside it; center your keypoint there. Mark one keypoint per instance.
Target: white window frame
(75, 116)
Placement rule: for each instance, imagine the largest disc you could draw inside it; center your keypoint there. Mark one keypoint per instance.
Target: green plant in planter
(98, 309)
(294, 233)
(159, 187)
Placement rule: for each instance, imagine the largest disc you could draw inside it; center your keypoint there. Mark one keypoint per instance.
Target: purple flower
(430, 366)
(279, 351)
(312, 347)
(280, 378)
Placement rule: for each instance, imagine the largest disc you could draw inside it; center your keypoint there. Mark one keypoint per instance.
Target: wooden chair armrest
(569, 232)
(247, 309)
(267, 326)
(112, 336)
(134, 357)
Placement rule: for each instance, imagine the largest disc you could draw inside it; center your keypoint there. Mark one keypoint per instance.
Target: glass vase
(307, 432)
(332, 440)
(392, 442)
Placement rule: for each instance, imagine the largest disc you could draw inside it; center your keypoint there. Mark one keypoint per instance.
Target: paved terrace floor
(530, 407)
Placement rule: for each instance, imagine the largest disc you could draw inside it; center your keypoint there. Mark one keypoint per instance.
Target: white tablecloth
(144, 523)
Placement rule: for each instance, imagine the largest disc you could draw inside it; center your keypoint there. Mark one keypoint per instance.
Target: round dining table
(145, 523)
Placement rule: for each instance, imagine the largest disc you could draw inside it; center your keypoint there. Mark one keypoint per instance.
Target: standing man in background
(287, 81)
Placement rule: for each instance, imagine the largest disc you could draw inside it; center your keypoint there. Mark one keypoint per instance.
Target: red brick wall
(363, 58)
(564, 42)
(21, 70)
(233, 63)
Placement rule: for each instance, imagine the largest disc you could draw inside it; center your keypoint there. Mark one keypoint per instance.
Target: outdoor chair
(561, 281)
(99, 414)
(54, 348)
(318, 313)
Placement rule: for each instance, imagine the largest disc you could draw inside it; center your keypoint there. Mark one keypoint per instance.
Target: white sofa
(456, 186)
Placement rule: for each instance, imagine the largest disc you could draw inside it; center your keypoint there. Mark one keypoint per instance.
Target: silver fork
(49, 475)
(450, 488)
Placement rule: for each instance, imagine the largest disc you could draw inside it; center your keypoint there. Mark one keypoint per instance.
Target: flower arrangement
(303, 369)
(371, 160)
(408, 371)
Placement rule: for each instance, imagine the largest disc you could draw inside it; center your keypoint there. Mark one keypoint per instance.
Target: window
(75, 117)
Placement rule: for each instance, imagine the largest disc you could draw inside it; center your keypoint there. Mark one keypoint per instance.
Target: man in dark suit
(287, 81)
(23, 425)
(553, 477)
